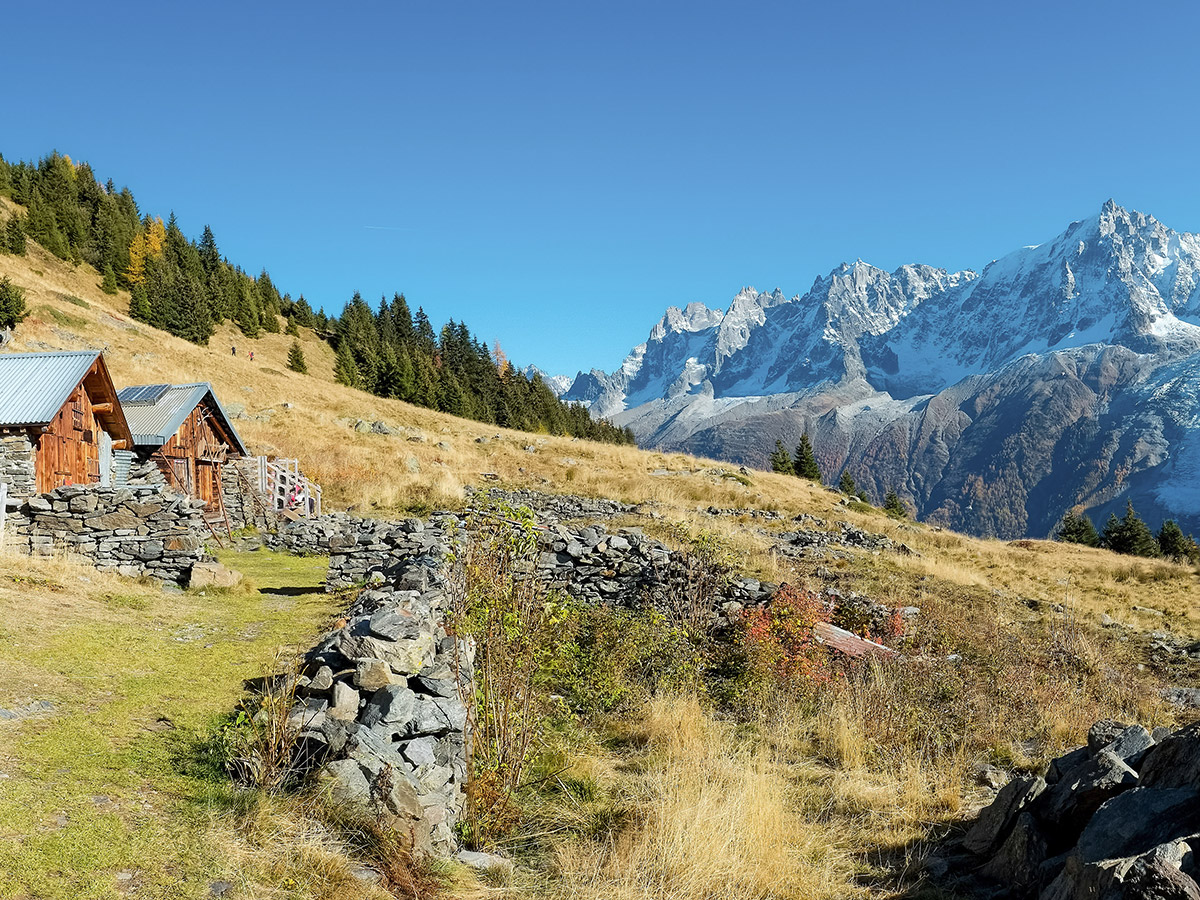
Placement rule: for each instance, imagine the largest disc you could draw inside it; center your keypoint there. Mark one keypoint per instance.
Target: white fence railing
(286, 487)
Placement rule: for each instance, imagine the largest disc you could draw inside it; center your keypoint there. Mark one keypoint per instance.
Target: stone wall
(244, 504)
(381, 707)
(137, 530)
(17, 464)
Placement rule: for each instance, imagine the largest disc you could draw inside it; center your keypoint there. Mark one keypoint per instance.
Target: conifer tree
(805, 462)
(1129, 534)
(292, 329)
(1173, 544)
(1077, 529)
(345, 369)
(894, 506)
(781, 460)
(12, 304)
(14, 233)
(139, 303)
(109, 285)
(295, 360)
(846, 484)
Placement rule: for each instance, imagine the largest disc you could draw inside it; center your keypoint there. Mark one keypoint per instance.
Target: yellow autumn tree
(145, 245)
(502, 363)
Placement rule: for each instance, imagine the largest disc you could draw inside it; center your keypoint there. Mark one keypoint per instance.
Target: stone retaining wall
(244, 505)
(132, 531)
(16, 464)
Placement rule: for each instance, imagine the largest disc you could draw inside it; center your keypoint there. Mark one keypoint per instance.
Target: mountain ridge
(866, 360)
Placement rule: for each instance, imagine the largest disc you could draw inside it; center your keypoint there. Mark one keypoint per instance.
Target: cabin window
(77, 417)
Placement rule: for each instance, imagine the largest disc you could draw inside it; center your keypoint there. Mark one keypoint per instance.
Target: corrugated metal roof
(34, 386)
(153, 424)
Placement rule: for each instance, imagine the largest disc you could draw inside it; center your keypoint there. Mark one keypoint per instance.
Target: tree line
(188, 288)
(1130, 535)
(803, 464)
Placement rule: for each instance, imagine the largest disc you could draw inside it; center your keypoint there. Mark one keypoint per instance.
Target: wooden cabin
(186, 431)
(60, 421)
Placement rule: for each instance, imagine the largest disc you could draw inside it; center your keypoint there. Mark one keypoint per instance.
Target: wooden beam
(119, 444)
(102, 407)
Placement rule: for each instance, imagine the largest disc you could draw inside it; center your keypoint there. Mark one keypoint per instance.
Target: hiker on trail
(233, 350)
(251, 356)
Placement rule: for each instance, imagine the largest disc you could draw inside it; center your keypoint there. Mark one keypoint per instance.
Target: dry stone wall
(16, 464)
(132, 531)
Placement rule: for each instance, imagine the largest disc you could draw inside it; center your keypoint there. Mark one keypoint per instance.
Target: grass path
(109, 794)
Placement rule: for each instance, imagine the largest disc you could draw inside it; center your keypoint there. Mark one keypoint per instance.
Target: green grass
(115, 780)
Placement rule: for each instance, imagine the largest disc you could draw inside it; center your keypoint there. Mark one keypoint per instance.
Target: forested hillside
(187, 288)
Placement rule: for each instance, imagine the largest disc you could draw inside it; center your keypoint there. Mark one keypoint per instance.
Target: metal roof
(34, 386)
(153, 423)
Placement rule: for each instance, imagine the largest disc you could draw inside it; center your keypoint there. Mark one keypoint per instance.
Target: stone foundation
(17, 464)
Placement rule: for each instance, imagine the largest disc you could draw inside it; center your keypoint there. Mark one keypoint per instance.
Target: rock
(1066, 763)
(484, 861)
(212, 574)
(1175, 761)
(1019, 859)
(1139, 820)
(346, 783)
(372, 674)
(987, 775)
(1183, 697)
(1130, 742)
(391, 705)
(345, 702)
(1104, 733)
(322, 680)
(1066, 807)
(996, 820)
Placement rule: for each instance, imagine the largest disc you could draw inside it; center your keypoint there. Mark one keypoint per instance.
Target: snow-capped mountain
(559, 384)
(1062, 374)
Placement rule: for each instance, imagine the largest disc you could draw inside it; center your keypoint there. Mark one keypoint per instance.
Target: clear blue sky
(557, 173)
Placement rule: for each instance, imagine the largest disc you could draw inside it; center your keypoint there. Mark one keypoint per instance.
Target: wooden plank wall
(68, 451)
(194, 455)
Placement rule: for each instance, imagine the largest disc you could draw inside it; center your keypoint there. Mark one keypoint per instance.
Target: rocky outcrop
(1115, 820)
(132, 531)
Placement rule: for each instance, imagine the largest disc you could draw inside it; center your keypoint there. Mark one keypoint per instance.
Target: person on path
(233, 350)
(251, 356)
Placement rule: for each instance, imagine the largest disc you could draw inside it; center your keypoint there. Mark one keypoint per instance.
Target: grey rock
(392, 705)
(1138, 821)
(1066, 807)
(1130, 742)
(347, 784)
(1020, 857)
(1104, 733)
(997, 819)
(484, 861)
(1066, 763)
(345, 702)
(1175, 761)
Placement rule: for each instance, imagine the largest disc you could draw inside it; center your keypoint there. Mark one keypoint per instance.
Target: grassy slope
(1024, 614)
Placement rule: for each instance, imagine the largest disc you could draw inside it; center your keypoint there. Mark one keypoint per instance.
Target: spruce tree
(345, 369)
(781, 460)
(14, 235)
(805, 463)
(139, 303)
(1077, 529)
(1173, 544)
(894, 506)
(292, 329)
(12, 304)
(846, 484)
(295, 360)
(109, 285)
(1129, 534)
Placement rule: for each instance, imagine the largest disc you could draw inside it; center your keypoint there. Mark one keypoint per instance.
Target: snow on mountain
(907, 371)
(559, 384)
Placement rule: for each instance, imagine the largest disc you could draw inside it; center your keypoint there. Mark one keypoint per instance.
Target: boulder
(1066, 807)
(1139, 820)
(1175, 761)
(212, 574)
(996, 820)
(1104, 733)
(1020, 857)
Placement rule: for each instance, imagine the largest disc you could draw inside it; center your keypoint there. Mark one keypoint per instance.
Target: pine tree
(139, 303)
(1173, 544)
(894, 506)
(12, 304)
(846, 484)
(1129, 534)
(295, 360)
(1077, 529)
(805, 462)
(14, 234)
(109, 285)
(781, 460)
(292, 329)
(345, 369)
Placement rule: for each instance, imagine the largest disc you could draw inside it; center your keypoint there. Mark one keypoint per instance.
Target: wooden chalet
(60, 421)
(186, 431)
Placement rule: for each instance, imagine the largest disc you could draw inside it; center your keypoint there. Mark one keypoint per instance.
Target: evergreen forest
(188, 288)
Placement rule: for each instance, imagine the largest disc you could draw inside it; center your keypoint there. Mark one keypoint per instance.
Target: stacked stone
(131, 531)
(381, 707)
(245, 507)
(770, 515)
(813, 542)
(553, 507)
(16, 465)
(1118, 819)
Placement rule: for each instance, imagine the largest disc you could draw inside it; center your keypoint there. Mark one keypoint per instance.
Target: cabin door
(208, 482)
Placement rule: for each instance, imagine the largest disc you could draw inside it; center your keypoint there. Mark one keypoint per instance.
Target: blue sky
(557, 173)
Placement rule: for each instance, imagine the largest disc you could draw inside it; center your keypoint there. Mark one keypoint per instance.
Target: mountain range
(1063, 375)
